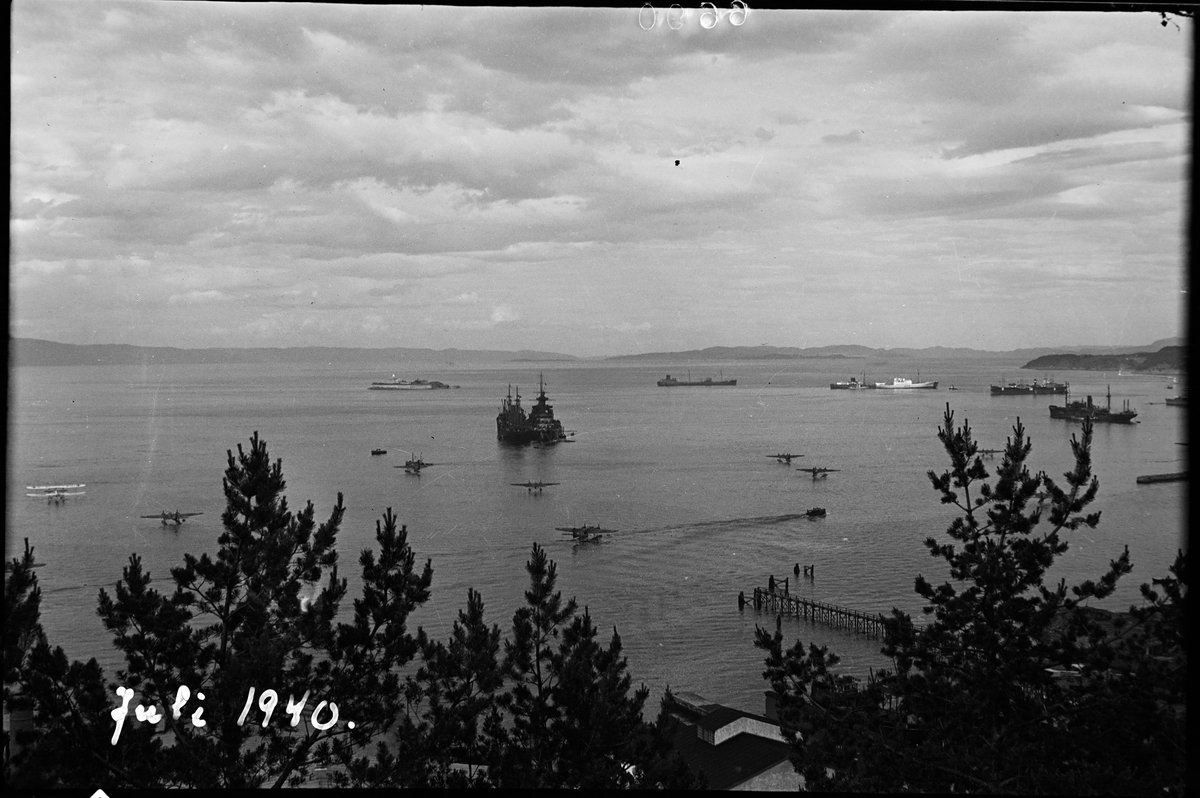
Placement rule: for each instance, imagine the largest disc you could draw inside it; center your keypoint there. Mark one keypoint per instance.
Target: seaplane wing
(534, 484)
(818, 471)
(55, 487)
(170, 516)
(56, 493)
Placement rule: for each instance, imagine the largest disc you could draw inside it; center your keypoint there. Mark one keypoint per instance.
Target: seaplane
(414, 466)
(785, 458)
(583, 534)
(532, 486)
(989, 452)
(818, 472)
(55, 494)
(175, 518)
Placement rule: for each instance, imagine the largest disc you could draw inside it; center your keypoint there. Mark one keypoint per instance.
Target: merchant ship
(1034, 388)
(707, 382)
(852, 385)
(1077, 411)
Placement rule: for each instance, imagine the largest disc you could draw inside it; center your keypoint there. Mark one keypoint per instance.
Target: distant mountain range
(854, 351)
(38, 352)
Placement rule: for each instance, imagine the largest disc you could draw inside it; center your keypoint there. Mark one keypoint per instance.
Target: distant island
(1169, 359)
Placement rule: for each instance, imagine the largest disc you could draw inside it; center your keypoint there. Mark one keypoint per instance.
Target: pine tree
(364, 664)
(66, 743)
(461, 682)
(575, 723)
(598, 720)
(531, 750)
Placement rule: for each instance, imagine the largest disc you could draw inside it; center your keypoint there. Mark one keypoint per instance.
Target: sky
(563, 179)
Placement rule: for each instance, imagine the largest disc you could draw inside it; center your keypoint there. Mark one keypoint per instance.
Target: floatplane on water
(175, 518)
(56, 494)
(414, 465)
(818, 472)
(584, 534)
(785, 458)
(532, 486)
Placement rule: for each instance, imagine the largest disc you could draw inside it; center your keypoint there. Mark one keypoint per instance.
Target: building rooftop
(728, 745)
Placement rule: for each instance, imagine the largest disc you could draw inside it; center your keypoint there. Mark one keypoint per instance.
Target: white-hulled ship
(406, 385)
(902, 383)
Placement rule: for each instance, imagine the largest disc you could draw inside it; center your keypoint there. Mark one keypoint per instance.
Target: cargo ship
(1034, 388)
(671, 382)
(539, 426)
(852, 385)
(1078, 411)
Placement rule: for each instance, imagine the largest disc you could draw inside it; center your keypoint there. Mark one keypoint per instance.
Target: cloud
(263, 168)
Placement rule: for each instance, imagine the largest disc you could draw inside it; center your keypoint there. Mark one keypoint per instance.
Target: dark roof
(720, 716)
(733, 761)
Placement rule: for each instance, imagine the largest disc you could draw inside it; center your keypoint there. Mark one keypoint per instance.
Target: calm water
(702, 513)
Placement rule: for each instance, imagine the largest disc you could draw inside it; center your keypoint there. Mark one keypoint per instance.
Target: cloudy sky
(226, 174)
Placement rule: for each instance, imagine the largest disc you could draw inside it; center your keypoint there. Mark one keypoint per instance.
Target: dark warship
(539, 426)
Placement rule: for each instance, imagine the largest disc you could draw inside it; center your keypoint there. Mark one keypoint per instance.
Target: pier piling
(818, 612)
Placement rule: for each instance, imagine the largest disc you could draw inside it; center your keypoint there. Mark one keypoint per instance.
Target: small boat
(816, 512)
(379, 451)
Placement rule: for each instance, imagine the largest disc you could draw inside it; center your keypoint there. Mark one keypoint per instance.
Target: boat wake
(730, 524)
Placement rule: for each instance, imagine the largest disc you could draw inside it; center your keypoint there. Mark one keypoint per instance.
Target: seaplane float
(532, 486)
(584, 534)
(55, 494)
(175, 518)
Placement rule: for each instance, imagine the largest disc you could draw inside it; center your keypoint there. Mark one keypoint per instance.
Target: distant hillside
(854, 351)
(37, 352)
(1168, 359)
(753, 353)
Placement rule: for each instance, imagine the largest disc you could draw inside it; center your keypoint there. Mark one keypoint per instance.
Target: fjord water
(681, 474)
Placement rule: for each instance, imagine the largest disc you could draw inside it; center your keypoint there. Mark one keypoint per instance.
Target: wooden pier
(780, 601)
(1180, 476)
